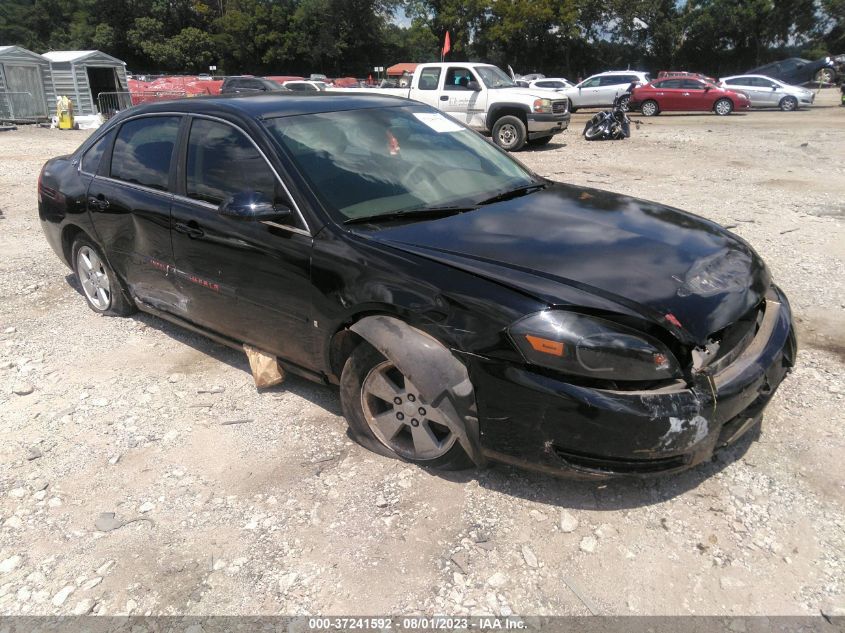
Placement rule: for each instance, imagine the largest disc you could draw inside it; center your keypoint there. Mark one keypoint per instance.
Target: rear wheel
(788, 104)
(723, 107)
(101, 287)
(387, 414)
(826, 76)
(650, 108)
(623, 102)
(509, 133)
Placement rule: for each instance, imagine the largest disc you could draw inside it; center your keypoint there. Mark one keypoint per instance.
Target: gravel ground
(145, 474)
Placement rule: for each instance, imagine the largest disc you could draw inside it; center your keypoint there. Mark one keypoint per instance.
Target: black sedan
(467, 308)
(797, 71)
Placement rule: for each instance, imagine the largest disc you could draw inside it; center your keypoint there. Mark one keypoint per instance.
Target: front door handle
(191, 231)
(444, 97)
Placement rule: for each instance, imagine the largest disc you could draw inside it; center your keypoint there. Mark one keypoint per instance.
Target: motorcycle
(611, 124)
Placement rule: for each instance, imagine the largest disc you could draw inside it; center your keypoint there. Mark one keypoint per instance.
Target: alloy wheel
(94, 278)
(649, 108)
(723, 107)
(400, 418)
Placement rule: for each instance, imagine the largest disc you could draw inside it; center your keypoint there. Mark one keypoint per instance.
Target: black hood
(570, 245)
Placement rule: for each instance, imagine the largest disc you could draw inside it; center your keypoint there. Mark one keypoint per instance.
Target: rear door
(243, 278)
(129, 201)
(748, 86)
(428, 82)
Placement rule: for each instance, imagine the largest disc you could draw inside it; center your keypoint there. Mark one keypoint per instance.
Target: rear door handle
(191, 231)
(99, 202)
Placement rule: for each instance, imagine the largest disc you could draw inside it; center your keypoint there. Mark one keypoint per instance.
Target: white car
(765, 92)
(552, 83)
(601, 90)
(305, 85)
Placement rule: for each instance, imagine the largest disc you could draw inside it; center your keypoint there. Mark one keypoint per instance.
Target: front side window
(429, 78)
(592, 83)
(458, 79)
(143, 150)
(383, 160)
(692, 84)
(222, 162)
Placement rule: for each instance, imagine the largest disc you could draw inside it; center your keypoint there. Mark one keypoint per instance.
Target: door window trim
(181, 166)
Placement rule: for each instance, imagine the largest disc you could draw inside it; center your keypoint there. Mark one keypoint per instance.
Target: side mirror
(774, 87)
(706, 88)
(474, 86)
(254, 206)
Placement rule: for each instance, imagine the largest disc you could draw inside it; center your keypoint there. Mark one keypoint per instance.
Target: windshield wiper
(416, 212)
(513, 193)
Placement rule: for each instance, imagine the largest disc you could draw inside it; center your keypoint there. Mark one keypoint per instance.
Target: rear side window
(143, 149)
(92, 158)
(429, 78)
(739, 81)
(223, 162)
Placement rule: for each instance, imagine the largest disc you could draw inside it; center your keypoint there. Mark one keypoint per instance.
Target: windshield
(378, 161)
(494, 77)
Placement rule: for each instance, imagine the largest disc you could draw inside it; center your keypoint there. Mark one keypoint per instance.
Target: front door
(129, 201)
(456, 98)
(588, 93)
(246, 279)
(695, 95)
(25, 92)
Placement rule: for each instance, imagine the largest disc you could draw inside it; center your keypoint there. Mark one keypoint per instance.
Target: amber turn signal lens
(544, 345)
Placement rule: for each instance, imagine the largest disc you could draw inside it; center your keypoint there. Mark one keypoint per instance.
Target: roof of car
(269, 106)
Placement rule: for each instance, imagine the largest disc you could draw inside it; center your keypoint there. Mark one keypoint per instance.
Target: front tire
(103, 291)
(509, 133)
(788, 104)
(650, 108)
(723, 107)
(387, 414)
(825, 76)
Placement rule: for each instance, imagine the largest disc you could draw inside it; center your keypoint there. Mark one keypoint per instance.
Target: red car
(685, 94)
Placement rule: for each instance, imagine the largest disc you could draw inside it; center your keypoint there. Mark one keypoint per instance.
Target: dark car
(249, 85)
(797, 71)
(467, 308)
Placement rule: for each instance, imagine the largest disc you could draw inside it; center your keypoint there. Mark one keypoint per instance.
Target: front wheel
(387, 414)
(650, 108)
(509, 133)
(101, 287)
(788, 104)
(723, 107)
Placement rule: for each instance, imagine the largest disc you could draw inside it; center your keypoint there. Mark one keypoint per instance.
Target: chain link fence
(110, 103)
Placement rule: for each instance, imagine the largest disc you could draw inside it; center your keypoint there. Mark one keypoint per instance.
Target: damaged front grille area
(726, 345)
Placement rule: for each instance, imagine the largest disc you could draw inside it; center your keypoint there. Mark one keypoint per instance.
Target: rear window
(94, 155)
(143, 150)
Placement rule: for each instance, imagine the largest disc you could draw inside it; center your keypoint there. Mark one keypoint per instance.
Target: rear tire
(387, 415)
(826, 76)
(103, 291)
(723, 107)
(788, 104)
(509, 133)
(650, 108)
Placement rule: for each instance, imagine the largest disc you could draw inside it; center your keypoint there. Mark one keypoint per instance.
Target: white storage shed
(26, 85)
(83, 75)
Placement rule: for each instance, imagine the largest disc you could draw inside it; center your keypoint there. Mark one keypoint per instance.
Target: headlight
(543, 105)
(590, 346)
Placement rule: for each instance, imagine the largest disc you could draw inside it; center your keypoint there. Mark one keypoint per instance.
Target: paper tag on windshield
(438, 122)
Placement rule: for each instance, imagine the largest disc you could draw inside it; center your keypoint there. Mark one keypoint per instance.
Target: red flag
(447, 45)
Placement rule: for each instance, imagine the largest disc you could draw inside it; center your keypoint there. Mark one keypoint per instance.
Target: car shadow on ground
(601, 495)
(563, 492)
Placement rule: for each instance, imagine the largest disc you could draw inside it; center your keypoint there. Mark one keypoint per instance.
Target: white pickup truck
(487, 100)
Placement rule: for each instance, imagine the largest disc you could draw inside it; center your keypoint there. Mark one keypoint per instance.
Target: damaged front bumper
(535, 421)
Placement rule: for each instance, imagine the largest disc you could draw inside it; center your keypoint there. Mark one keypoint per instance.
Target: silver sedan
(765, 92)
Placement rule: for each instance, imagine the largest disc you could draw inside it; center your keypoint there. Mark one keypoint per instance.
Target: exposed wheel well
(69, 235)
(498, 113)
(343, 342)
